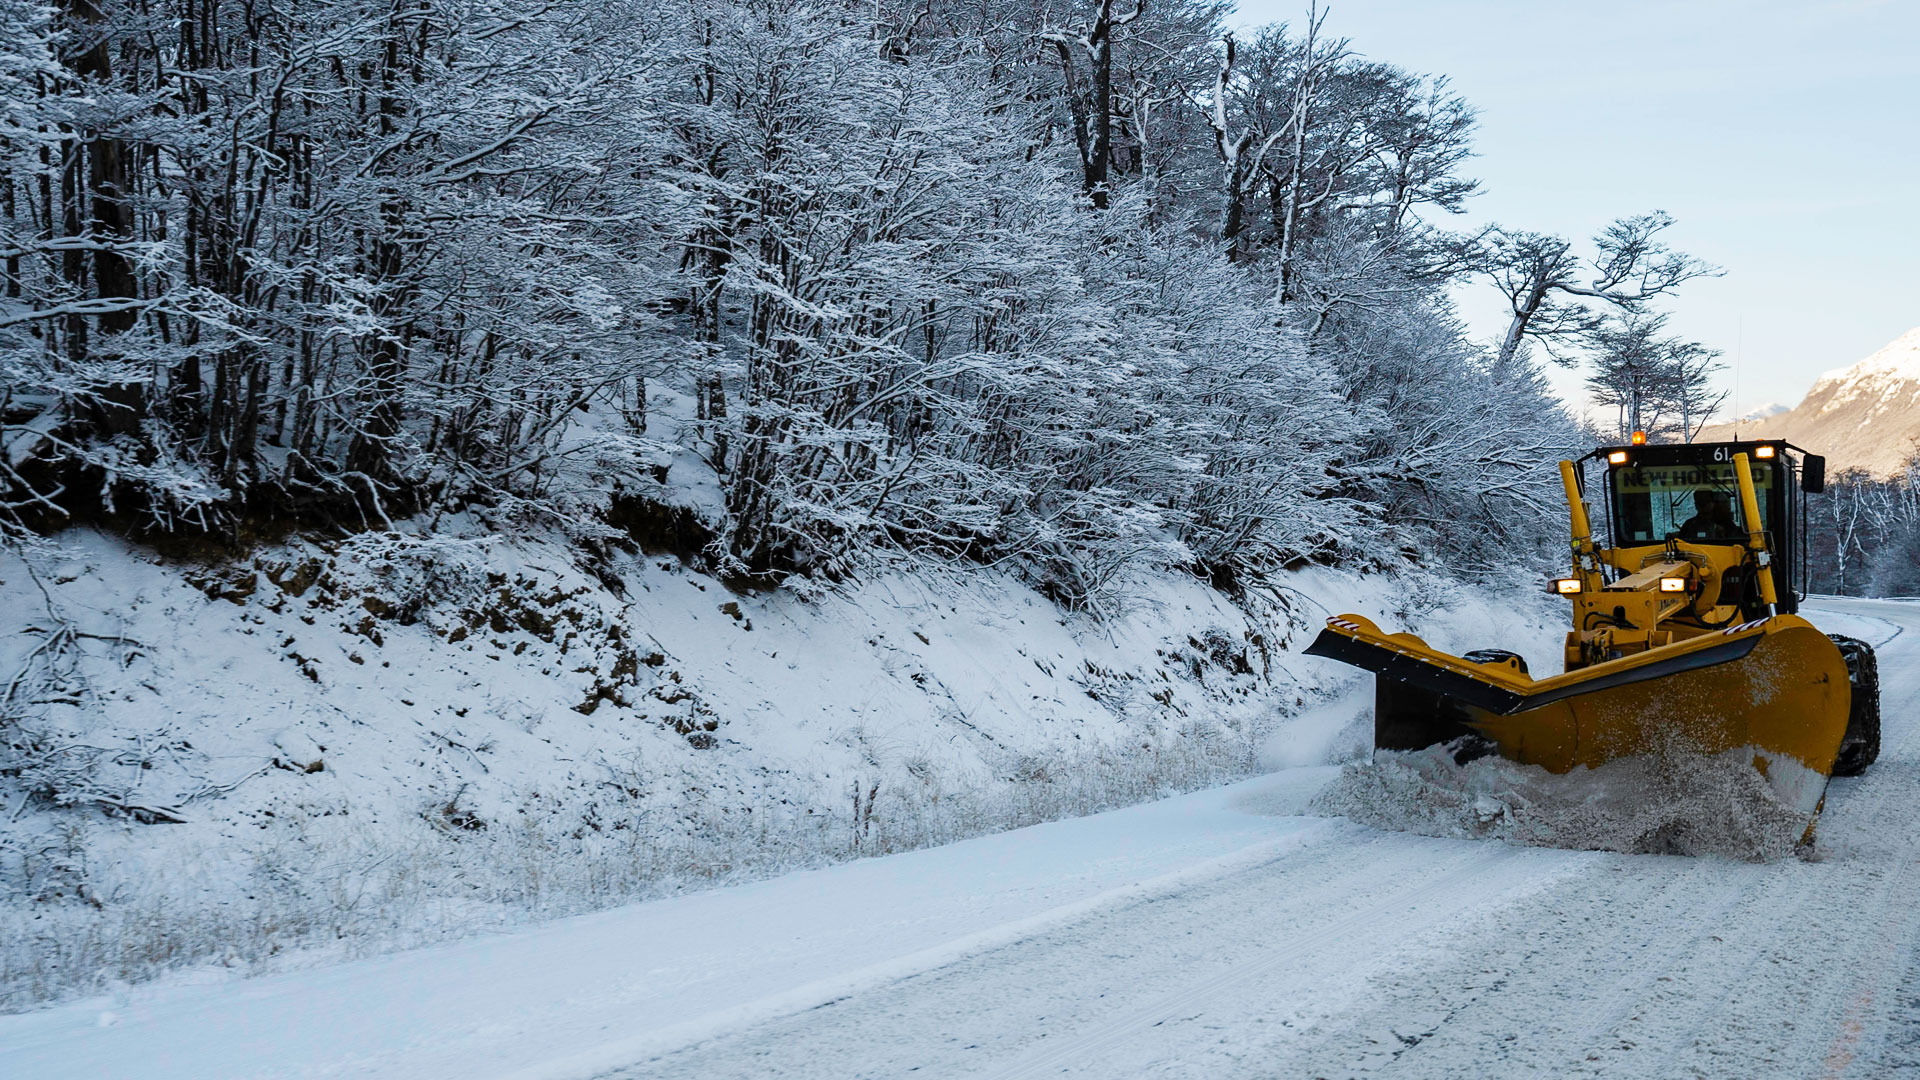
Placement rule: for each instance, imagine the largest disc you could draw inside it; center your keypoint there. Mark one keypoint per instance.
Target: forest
(548, 455)
(1864, 534)
(795, 288)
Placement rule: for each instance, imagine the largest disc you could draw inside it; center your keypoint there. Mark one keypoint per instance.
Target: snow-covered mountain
(1865, 416)
(1771, 408)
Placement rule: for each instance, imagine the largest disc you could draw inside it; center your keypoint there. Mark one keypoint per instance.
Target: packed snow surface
(1229, 933)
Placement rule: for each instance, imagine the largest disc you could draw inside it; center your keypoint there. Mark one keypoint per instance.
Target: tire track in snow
(1831, 961)
(1684, 1001)
(1868, 973)
(1870, 983)
(1842, 608)
(1442, 899)
(976, 1016)
(1898, 924)
(1713, 1011)
(600, 1059)
(1617, 1006)
(1536, 993)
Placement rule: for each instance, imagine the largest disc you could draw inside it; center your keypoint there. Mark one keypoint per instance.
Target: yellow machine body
(1776, 689)
(1659, 659)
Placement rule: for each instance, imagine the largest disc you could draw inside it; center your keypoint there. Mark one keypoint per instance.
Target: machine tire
(1860, 747)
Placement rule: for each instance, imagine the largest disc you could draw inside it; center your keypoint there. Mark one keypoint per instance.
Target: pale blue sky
(1784, 137)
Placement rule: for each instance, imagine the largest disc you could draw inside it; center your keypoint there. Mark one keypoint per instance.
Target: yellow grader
(1685, 635)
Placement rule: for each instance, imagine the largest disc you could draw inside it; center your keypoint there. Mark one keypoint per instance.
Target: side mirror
(1813, 474)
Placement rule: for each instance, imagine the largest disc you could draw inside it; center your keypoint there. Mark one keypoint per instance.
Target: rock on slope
(1866, 416)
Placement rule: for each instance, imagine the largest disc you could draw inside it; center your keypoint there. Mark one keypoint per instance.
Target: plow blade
(1775, 689)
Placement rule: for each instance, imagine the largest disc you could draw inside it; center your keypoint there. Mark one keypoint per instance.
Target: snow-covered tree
(1070, 289)
(1656, 383)
(1557, 298)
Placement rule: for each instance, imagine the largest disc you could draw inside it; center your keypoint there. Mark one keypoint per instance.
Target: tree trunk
(113, 408)
(371, 450)
(1092, 108)
(1100, 141)
(1517, 329)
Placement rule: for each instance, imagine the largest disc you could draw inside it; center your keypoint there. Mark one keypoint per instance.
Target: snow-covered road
(1216, 935)
(1371, 954)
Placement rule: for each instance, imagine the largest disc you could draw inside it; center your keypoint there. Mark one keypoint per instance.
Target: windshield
(1698, 502)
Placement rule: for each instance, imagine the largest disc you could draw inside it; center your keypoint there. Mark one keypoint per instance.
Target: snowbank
(327, 750)
(579, 997)
(1661, 804)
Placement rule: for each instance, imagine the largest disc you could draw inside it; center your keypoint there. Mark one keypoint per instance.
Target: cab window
(1699, 503)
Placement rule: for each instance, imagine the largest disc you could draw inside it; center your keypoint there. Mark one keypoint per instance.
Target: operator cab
(1687, 492)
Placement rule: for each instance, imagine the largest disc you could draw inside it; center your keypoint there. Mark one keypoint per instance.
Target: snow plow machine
(1685, 635)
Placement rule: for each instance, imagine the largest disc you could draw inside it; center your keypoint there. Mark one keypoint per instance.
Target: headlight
(1618, 457)
(1566, 586)
(1673, 584)
(1763, 451)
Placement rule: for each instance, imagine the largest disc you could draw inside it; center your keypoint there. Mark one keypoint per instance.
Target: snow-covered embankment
(335, 749)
